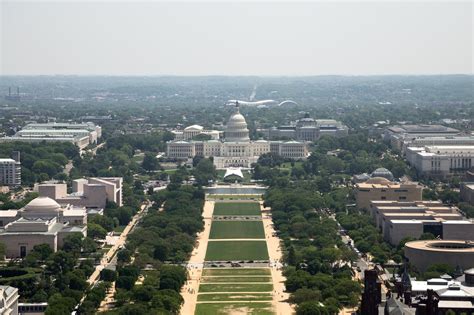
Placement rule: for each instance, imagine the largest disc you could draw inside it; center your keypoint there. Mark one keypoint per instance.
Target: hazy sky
(235, 38)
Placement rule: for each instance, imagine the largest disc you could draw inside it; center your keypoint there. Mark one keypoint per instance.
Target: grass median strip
(237, 229)
(254, 308)
(236, 279)
(236, 272)
(237, 250)
(235, 287)
(236, 208)
(234, 297)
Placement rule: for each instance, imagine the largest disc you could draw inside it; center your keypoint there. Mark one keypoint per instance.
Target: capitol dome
(236, 129)
(42, 205)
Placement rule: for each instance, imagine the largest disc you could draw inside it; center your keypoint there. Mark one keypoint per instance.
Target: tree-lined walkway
(196, 262)
(280, 297)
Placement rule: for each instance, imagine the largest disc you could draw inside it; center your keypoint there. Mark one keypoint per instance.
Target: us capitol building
(236, 149)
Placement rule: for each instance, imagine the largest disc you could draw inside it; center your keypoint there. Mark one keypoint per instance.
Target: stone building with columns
(236, 149)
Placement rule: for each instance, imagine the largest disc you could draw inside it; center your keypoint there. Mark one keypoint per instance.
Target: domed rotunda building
(41, 221)
(236, 149)
(237, 128)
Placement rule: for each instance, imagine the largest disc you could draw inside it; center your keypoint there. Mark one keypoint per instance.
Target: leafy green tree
(60, 261)
(124, 256)
(161, 251)
(124, 215)
(125, 282)
(108, 275)
(143, 293)
(427, 236)
(205, 171)
(60, 305)
(47, 167)
(170, 300)
(311, 308)
(105, 221)
(150, 162)
(96, 231)
(73, 243)
(429, 194)
(172, 277)
(89, 245)
(305, 295)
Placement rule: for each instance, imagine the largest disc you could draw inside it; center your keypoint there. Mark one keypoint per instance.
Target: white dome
(237, 118)
(236, 129)
(42, 204)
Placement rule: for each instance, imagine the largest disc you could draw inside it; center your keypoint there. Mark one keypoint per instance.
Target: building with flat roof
(10, 172)
(80, 134)
(440, 161)
(455, 140)
(379, 188)
(236, 149)
(308, 129)
(467, 192)
(398, 220)
(396, 135)
(42, 221)
(456, 253)
(91, 192)
(8, 300)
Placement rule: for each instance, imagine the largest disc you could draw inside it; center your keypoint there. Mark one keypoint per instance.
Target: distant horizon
(267, 39)
(237, 75)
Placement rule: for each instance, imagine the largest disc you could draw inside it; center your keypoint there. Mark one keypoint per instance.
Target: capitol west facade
(236, 149)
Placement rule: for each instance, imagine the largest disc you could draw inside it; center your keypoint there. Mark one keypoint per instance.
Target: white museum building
(42, 221)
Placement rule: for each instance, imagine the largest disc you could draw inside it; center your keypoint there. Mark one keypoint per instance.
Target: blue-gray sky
(235, 38)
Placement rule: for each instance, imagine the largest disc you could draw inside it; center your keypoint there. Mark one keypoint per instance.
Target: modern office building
(91, 192)
(456, 253)
(10, 171)
(379, 188)
(396, 135)
(95, 132)
(8, 300)
(456, 140)
(308, 129)
(400, 219)
(467, 192)
(236, 149)
(440, 161)
(42, 221)
(81, 134)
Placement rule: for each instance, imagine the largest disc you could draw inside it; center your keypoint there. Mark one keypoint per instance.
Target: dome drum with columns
(236, 129)
(236, 149)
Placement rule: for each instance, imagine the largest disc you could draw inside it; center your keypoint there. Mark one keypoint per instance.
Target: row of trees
(60, 277)
(167, 233)
(317, 274)
(41, 161)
